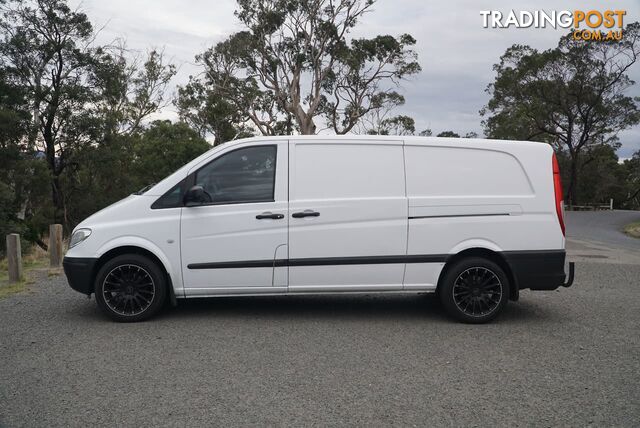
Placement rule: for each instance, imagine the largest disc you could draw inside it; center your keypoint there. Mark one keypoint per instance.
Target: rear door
(347, 215)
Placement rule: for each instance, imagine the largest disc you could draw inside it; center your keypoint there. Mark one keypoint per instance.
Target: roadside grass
(35, 259)
(633, 229)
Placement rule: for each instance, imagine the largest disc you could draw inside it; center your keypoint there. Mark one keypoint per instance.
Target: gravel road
(569, 357)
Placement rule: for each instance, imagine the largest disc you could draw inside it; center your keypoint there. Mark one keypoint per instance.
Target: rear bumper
(539, 270)
(79, 272)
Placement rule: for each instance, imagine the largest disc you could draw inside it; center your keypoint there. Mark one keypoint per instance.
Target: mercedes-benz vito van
(472, 220)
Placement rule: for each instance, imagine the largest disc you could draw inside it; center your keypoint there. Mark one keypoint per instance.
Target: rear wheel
(130, 288)
(474, 290)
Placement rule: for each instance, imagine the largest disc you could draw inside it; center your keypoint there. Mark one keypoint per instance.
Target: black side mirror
(196, 195)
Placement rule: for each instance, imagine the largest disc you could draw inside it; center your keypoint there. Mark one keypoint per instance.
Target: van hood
(123, 210)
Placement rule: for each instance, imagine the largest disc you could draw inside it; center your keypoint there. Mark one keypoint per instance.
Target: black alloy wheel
(130, 287)
(477, 291)
(474, 290)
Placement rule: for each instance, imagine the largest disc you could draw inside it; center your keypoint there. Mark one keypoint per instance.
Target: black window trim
(156, 204)
(189, 181)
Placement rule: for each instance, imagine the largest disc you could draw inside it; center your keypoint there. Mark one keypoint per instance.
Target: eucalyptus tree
(128, 87)
(76, 95)
(571, 96)
(295, 67)
(45, 48)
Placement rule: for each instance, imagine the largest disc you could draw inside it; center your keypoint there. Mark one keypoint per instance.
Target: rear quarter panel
(468, 193)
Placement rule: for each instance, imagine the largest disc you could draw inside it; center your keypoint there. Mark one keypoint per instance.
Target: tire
(130, 288)
(474, 290)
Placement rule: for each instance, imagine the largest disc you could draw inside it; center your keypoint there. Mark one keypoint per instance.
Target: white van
(470, 219)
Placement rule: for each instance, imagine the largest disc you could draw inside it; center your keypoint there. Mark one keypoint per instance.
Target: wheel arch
(489, 254)
(133, 249)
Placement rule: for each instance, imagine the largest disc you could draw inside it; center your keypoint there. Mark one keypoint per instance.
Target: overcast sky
(455, 51)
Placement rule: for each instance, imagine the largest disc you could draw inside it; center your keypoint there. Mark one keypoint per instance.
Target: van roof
(407, 140)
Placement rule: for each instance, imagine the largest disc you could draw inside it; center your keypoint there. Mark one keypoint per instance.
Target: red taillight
(557, 188)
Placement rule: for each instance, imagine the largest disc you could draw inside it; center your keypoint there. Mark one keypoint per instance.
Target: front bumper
(540, 270)
(79, 272)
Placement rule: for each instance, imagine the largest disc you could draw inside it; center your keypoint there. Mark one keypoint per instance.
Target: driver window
(243, 175)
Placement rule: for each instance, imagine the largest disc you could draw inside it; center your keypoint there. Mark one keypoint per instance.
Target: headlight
(79, 236)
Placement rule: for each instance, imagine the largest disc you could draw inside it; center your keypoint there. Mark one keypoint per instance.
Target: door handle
(305, 213)
(270, 215)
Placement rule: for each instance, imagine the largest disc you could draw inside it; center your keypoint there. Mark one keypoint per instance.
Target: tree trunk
(57, 198)
(305, 122)
(572, 191)
(41, 244)
(309, 128)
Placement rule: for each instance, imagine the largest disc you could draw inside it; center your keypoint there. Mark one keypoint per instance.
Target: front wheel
(474, 290)
(130, 288)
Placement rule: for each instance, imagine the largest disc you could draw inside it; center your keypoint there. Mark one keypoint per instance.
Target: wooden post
(55, 245)
(14, 257)
(611, 204)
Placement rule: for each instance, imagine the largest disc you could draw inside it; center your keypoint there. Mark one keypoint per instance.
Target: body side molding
(324, 261)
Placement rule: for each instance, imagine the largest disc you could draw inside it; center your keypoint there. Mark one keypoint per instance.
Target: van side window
(240, 176)
(171, 199)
